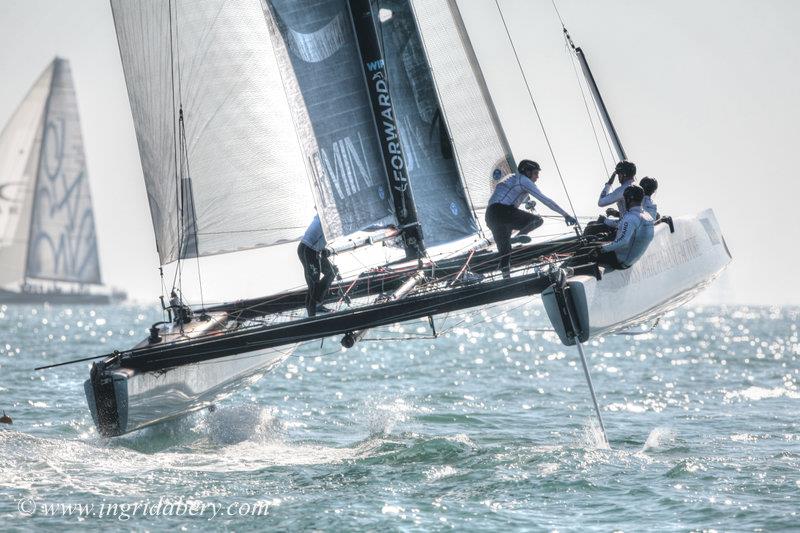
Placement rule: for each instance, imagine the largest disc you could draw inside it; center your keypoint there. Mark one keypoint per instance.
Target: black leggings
(315, 266)
(502, 220)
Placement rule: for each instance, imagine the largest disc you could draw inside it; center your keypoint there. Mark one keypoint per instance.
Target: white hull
(675, 268)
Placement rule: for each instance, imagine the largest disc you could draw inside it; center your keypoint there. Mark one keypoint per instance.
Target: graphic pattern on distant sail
(62, 244)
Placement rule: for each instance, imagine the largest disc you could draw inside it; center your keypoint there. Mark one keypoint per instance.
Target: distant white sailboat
(48, 245)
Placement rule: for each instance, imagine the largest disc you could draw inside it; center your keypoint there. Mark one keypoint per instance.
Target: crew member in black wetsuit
(318, 270)
(503, 215)
(182, 312)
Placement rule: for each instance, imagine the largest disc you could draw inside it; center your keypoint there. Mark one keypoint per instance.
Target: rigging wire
(173, 44)
(182, 162)
(536, 108)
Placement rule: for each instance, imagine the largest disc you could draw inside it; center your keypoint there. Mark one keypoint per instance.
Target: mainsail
(442, 205)
(253, 100)
(48, 229)
(324, 83)
(213, 61)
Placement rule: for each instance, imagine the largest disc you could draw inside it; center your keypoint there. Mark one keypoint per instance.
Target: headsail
(442, 205)
(20, 143)
(478, 138)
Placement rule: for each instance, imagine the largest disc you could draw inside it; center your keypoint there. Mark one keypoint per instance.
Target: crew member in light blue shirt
(318, 270)
(634, 235)
(625, 171)
(503, 215)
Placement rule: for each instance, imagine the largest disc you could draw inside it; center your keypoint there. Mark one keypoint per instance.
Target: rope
(173, 45)
(538, 115)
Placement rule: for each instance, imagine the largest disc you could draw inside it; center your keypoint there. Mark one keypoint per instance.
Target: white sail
(19, 158)
(63, 244)
(248, 176)
(480, 144)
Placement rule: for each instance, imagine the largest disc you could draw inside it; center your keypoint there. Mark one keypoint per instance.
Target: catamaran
(377, 113)
(48, 245)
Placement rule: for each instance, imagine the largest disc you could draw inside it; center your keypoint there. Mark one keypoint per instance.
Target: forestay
(20, 141)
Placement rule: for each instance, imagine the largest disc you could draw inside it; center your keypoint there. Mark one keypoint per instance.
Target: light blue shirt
(516, 188)
(313, 237)
(608, 197)
(634, 235)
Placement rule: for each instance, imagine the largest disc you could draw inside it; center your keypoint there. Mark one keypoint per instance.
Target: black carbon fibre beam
(423, 305)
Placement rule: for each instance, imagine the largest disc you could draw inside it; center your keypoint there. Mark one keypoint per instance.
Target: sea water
(488, 427)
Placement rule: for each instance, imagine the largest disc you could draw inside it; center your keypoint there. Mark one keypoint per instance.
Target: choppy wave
(489, 427)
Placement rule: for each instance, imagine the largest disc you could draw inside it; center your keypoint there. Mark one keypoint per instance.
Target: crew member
(183, 313)
(503, 215)
(318, 270)
(626, 173)
(606, 225)
(649, 186)
(634, 234)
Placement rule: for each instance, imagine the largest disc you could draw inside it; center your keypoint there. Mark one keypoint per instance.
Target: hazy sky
(704, 94)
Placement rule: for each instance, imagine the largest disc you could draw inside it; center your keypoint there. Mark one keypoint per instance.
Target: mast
(587, 72)
(375, 76)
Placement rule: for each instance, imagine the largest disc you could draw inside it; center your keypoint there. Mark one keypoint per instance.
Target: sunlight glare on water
(489, 426)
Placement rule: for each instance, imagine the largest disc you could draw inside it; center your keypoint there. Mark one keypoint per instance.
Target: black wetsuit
(503, 217)
(317, 269)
